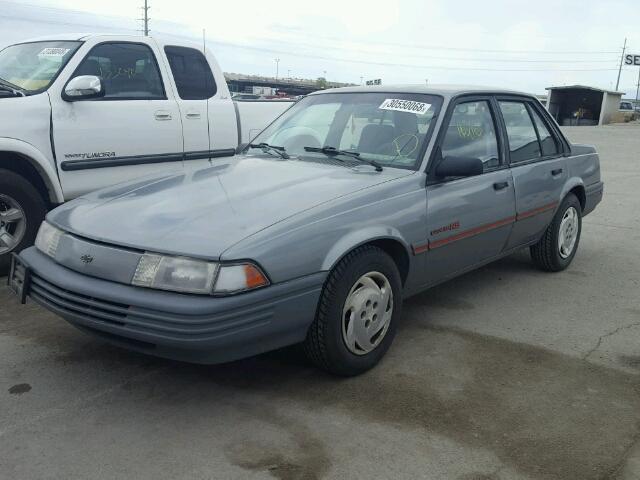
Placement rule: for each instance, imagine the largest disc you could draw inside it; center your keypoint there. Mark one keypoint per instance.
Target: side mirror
(459, 167)
(83, 87)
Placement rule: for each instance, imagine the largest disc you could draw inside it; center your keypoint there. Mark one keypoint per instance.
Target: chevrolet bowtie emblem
(86, 258)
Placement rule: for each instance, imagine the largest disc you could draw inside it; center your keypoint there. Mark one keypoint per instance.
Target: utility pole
(638, 87)
(145, 18)
(624, 48)
(361, 79)
(277, 60)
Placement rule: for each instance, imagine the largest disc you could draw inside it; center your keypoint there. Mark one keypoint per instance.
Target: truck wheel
(557, 247)
(357, 313)
(22, 209)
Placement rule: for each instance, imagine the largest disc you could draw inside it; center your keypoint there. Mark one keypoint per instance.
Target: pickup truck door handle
(161, 115)
(193, 115)
(500, 185)
(556, 172)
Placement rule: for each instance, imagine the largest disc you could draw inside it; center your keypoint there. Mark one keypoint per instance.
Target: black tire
(546, 254)
(324, 345)
(25, 194)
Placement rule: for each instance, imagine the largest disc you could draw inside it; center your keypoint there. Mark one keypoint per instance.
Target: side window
(191, 72)
(523, 141)
(547, 140)
(471, 134)
(128, 71)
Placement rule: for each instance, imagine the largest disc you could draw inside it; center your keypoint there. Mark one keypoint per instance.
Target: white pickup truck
(81, 112)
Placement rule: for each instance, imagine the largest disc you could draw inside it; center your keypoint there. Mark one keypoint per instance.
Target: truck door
(469, 219)
(203, 114)
(133, 130)
(537, 165)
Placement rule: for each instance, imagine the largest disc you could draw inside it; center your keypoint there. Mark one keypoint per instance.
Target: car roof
(448, 90)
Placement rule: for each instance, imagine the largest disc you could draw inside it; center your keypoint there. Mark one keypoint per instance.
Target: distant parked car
(349, 202)
(628, 111)
(246, 96)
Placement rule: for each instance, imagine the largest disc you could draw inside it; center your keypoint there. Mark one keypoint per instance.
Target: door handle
(161, 115)
(193, 115)
(500, 185)
(556, 172)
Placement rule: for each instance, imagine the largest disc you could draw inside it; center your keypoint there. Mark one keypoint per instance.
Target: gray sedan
(351, 201)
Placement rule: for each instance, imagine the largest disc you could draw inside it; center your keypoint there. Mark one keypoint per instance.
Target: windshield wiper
(333, 151)
(280, 151)
(10, 85)
(6, 87)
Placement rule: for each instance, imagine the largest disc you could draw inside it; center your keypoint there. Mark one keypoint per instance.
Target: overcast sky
(524, 45)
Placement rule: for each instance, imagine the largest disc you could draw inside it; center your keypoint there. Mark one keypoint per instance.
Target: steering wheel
(401, 142)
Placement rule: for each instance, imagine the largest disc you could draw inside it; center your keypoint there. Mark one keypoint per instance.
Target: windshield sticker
(408, 106)
(53, 52)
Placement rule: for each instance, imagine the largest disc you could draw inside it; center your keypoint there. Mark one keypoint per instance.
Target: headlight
(48, 239)
(188, 275)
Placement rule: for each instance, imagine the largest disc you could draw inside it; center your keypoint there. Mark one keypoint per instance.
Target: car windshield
(33, 66)
(389, 128)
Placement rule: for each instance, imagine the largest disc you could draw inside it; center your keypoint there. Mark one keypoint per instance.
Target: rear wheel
(22, 209)
(357, 314)
(557, 247)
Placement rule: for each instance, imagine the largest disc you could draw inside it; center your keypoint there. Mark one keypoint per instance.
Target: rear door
(538, 167)
(469, 219)
(207, 113)
(132, 131)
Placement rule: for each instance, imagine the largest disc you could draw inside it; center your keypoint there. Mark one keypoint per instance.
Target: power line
(389, 64)
(466, 49)
(437, 57)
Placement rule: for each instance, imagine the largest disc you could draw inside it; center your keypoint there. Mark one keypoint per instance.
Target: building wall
(610, 106)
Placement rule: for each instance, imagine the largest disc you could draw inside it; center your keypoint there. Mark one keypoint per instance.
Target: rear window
(191, 73)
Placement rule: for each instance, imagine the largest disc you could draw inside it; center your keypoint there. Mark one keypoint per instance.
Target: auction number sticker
(408, 106)
(53, 52)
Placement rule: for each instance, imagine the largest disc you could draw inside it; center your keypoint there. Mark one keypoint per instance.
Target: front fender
(39, 161)
(359, 237)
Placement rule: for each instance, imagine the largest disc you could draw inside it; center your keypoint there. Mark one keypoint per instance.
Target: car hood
(202, 212)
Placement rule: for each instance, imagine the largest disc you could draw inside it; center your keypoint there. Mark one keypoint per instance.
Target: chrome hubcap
(367, 313)
(568, 233)
(12, 224)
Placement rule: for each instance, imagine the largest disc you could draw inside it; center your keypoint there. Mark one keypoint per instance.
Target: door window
(191, 73)
(471, 134)
(128, 71)
(523, 140)
(548, 142)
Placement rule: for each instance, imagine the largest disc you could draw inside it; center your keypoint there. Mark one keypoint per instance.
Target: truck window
(471, 133)
(129, 71)
(548, 142)
(523, 140)
(191, 73)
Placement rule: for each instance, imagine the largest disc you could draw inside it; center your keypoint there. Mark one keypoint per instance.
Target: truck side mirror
(459, 167)
(83, 87)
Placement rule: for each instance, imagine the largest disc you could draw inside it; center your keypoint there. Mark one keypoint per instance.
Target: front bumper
(191, 328)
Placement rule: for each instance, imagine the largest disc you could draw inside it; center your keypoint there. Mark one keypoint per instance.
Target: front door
(132, 131)
(469, 219)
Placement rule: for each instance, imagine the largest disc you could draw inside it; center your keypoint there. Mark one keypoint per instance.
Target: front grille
(129, 318)
(78, 304)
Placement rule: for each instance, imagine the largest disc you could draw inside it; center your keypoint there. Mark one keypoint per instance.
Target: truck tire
(557, 247)
(22, 209)
(357, 313)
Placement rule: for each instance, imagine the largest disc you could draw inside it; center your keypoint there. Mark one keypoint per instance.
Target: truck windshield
(388, 128)
(31, 67)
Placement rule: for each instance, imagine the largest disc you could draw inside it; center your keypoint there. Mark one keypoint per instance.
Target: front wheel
(357, 314)
(557, 247)
(22, 209)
